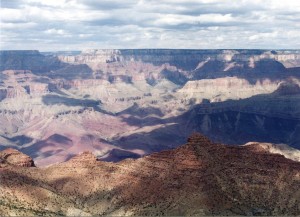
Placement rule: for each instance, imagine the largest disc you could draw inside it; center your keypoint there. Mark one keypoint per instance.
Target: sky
(52, 25)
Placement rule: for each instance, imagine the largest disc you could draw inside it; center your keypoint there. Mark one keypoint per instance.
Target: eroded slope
(198, 178)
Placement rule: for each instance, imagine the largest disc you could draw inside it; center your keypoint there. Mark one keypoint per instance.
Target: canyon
(126, 103)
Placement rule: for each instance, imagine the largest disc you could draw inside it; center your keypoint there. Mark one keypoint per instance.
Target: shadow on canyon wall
(19, 140)
(271, 118)
(56, 99)
(40, 64)
(261, 118)
(52, 99)
(186, 62)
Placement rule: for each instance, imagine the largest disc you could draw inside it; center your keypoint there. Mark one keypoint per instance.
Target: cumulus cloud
(198, 24)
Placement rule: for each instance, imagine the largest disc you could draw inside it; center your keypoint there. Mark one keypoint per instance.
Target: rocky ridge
(159, 56)
(282, 149)
(198, 178)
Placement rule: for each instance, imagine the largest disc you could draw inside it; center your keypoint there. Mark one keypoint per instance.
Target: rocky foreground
(198, 178)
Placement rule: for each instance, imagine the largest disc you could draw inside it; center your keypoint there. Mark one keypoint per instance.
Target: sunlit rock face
(15, 158)
(191, 58)
(220, 89)
(128, 103)
(198, 178)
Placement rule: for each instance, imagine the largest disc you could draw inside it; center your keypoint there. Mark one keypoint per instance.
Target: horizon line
(262, 49)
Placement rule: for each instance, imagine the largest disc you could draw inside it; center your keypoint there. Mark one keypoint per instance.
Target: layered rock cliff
(187, 58)
(21, 83)
(224, 60)
(128, 103)
(28, 60)
(220, 89)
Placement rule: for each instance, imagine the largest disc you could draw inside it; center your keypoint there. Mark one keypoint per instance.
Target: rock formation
(84, 158)
(198, 178)
(282, 149)
(220, 89)
(13, 157)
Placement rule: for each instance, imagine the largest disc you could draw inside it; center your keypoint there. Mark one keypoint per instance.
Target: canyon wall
(118, 103)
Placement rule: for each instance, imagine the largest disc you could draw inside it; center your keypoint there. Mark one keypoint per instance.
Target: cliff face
(220, 89)
(151, 65)
(28, 60)
(180, 66)
(238, 119)
(165, 55)
(183, 59)
(21, 83)
(198, 178)
(188, 60)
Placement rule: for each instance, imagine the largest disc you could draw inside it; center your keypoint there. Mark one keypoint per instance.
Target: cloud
(11, 15)
(199, 24)
(107, 4)
(55, 31)
(176, 19)
(19, 26)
